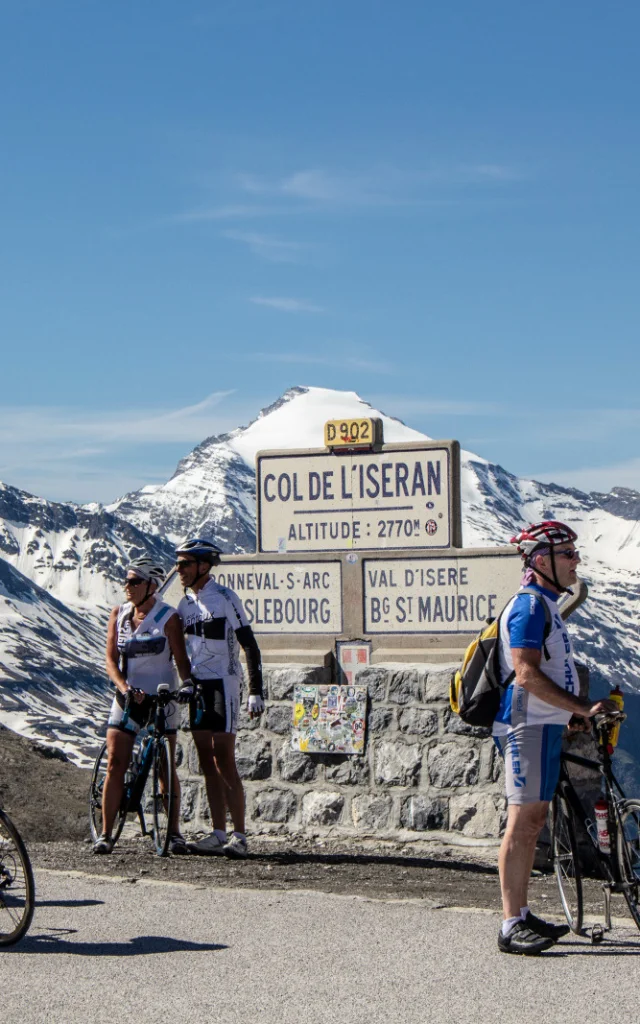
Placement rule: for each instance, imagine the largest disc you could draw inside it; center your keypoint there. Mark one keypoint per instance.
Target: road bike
(17, 888)
(571, 820)
(148, 783)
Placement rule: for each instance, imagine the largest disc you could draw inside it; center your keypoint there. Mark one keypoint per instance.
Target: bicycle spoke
(566, 864)
(628, 812)
(162, 796)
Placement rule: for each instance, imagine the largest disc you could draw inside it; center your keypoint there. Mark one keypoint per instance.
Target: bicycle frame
(134, 789)
(608, 863)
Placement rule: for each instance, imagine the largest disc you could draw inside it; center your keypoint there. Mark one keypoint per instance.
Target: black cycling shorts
(221, 703)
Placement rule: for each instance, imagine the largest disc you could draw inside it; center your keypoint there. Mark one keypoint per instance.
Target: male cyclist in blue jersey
(215, 627)
(535, 651)
(144, 647)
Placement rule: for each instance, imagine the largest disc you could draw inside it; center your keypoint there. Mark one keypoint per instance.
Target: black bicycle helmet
(203, 550)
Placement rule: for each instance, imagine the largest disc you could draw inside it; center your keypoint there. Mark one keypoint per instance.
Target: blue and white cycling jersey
(522, 625)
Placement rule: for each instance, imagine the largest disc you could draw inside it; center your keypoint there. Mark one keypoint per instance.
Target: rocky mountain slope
(76, 553)
(51, 684)
(70, 559)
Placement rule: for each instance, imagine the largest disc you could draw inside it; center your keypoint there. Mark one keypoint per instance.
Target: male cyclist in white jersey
(144, 640)
(536, 660)
(215, 625)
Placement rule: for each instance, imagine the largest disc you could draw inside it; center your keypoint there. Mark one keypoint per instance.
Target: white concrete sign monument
(399, 497)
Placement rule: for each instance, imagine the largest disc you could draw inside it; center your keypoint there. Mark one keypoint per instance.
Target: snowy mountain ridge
(77, 554)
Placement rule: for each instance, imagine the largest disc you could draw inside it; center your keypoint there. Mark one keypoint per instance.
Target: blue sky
(203, 204)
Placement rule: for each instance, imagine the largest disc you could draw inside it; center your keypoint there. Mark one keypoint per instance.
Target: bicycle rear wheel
(628, 846)
(162, 795)
(17, 889)
(566, 863)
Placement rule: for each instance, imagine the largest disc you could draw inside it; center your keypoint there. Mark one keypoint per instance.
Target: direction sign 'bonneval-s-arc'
(398, 497)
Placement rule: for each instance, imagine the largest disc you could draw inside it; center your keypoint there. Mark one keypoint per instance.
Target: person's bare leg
(174, 816)
(203, 739)
(224, 749)
(517, 852)
(119, 747)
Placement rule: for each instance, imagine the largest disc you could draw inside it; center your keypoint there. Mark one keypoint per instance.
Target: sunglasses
(184, 562)
(134, 581)
(571, 555)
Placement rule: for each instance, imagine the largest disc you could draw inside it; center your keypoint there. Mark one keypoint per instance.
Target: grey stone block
(405, 686)
(181, 751)
(454, 724)
(491, 763)
(204, 814)
(280, 680)
(478, 815)
(320, 807)
(278, 718)
(370, 811)
(424, 813)
(436, 683)
(380, 720)
(189, 800)
(244, 722)
(277, 805)
(376, 680)
(347, 770)
(397, 764)
(193, 763)
(253, 756)
(418, 721)
(294, 766)
(453, 764)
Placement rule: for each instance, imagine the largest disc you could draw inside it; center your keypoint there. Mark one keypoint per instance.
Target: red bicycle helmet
(549, 534)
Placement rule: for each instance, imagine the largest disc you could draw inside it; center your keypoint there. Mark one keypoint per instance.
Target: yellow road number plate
(362, 433)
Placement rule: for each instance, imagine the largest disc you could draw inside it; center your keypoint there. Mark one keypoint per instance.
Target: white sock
(221, 834)
(523, 912)
(240, 835)
(509, 923)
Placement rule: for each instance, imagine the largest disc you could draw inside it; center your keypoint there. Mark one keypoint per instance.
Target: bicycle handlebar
(608, 718)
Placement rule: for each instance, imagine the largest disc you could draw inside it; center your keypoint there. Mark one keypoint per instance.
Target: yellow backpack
(475, 690)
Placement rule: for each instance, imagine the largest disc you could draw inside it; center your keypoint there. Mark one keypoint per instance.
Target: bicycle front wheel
(566, 863)
(17, 889)
(162, 795)
(628, 848)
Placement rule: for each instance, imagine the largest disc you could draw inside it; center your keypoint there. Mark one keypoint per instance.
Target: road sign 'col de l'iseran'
(361, 541)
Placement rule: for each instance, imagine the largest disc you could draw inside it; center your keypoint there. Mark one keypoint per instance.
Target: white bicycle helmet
(147, 569)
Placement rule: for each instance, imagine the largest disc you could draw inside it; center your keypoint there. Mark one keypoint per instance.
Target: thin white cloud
(287, 305)
(275, 250)
(335, 362)
(231, 211)
(382, 186)
(48, 425)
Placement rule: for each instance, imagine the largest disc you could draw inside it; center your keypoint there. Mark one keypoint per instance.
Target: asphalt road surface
(107, 950)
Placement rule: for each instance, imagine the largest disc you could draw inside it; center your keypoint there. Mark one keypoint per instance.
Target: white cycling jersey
(523, 626)
(210, 619)
(145, 653)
